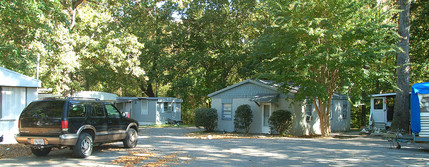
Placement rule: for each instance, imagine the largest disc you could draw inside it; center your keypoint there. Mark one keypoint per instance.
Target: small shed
(264, 98)
(151, 110)
(17, 91)
(381, 112)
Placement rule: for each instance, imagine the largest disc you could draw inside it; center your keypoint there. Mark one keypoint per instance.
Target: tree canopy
(189, 49)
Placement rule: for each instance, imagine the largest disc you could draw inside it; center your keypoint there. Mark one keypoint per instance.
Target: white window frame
(169, 107)
(309, 112)
(223, 111)
(344, 110)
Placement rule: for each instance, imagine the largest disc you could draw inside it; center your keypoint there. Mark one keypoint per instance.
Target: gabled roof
(14, 79)
(269, 85)
(262, 83)
(158, 99)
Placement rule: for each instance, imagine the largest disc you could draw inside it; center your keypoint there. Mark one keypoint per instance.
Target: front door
(115, 125)
(266, 113)
(379, 109)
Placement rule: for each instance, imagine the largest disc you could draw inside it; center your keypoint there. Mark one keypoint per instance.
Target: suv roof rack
(83, 98)
(51, 98)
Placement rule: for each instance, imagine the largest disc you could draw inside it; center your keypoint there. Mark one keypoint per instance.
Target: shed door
(378, 107)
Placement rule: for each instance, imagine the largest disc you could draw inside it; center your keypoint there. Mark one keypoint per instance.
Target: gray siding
(150, 118)
(150, 111)
(164, 115)
(247, 90)
(340, 119)
(241, 95)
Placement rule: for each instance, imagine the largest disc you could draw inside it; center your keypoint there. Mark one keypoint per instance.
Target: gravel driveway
(171, 147)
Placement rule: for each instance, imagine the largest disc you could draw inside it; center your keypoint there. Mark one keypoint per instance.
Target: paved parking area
(171, 147)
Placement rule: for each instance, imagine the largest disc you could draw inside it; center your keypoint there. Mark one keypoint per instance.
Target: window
(168, 107)
(52, 109)
(309, 112)
(344, 110)
(378, 103)
(227, 111)
(98, 110)
(112, 112)
(77, 110)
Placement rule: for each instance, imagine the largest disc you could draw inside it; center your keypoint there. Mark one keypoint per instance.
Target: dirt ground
(13, 150)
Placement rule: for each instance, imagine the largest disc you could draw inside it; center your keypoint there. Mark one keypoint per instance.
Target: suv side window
(77, 110)
(98, 110)
(112, 112)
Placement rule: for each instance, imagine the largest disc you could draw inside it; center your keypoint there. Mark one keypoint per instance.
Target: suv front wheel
(84, 145)
(130, 140)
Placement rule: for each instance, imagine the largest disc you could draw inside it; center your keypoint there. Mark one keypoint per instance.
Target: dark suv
(77, 123)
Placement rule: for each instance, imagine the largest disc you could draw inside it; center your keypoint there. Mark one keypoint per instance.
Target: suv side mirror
(125, 114)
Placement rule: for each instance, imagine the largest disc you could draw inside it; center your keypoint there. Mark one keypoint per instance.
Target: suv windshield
(44, 109)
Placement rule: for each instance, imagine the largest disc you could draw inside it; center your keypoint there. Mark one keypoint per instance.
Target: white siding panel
(31, 95)
(14, 101)
(424, 123)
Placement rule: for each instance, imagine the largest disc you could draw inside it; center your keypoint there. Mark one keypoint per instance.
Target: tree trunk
(324, 114)
(401, 115)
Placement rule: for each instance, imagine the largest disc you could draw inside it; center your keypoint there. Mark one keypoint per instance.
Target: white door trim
(265, 129)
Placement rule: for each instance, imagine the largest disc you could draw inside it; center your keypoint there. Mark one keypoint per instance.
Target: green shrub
(207, 118)
(280, 121)
(243, 118)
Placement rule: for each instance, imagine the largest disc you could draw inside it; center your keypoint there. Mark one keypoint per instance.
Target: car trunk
(42, 118)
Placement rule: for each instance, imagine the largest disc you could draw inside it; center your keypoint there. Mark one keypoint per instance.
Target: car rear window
(44, 109)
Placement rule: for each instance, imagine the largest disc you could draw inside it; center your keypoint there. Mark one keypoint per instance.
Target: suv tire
(84, 145)
(41, 151)
(130, 140)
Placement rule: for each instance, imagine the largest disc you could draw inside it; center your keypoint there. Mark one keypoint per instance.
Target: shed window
(309, 112)
(344, 110)
(168, 107)
(378, 104)
(227, 111)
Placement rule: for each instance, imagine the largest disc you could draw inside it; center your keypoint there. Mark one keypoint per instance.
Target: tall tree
(419, 41)
(401, 114)
(322, 45)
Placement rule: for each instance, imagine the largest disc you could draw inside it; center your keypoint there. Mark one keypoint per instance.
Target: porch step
(380, 125)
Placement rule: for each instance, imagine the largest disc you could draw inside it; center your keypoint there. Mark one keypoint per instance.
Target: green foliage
(207, 118)
(325, 46)
(419, 45)
(243, 118)
(281, 121)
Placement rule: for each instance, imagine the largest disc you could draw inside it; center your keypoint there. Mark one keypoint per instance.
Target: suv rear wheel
(41, 151)
(84, 145)
(130, 140)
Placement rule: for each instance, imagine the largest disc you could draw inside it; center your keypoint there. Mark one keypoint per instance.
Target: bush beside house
(281, 121)
(243, 118)
(207, 118)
